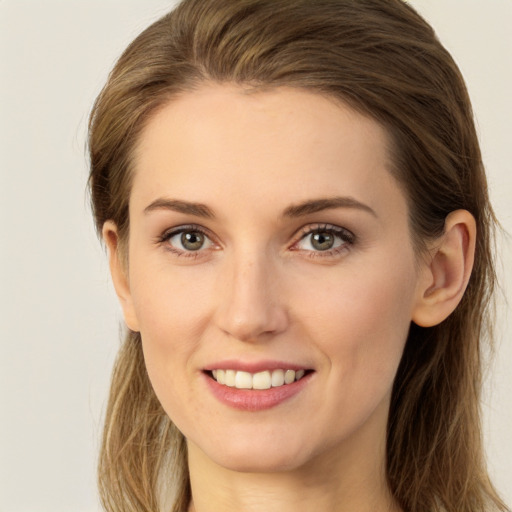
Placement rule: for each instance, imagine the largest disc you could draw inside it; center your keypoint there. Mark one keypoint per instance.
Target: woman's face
(267, 237)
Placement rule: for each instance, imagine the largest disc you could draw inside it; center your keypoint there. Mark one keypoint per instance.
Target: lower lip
(255, 400)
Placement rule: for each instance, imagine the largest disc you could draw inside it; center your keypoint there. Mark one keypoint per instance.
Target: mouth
(256, 385)
(262, 380)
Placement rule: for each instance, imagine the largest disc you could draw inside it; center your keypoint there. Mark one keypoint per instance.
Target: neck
(350, 477)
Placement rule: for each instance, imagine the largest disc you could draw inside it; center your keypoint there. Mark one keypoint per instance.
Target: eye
(191, 240)
(325, 238)
(187, 239)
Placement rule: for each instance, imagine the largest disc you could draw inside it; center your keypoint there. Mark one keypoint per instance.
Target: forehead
(282, 143)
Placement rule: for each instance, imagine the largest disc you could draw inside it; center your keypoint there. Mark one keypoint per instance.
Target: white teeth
(230, 378)
(260, 380)
(243, 380)
(289, 376)
(277, 378)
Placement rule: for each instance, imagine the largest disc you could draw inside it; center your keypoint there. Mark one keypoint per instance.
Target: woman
(299, 232)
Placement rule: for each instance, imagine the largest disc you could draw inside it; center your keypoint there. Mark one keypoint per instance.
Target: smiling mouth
(262, 380)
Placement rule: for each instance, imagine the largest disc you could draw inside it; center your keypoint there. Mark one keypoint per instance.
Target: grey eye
(188, 240)
(192, 240)
(322, 241)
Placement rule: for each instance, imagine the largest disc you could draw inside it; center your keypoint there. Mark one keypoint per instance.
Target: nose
(250, 307)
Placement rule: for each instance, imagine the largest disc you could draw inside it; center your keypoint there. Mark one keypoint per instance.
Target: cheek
(361, 321)
(169, 335)
(171, 307)
(171, 310)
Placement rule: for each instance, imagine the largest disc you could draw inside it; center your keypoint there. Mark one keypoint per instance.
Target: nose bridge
(250, 305)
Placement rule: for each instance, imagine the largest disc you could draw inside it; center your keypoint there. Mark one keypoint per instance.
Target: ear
(445, 274)
(119, 273)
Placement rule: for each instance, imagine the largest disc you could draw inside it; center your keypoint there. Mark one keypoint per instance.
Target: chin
(277, 455)
(260, 463)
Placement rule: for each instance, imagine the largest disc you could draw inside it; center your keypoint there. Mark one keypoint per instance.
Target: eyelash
(347, 238)
(190, 228)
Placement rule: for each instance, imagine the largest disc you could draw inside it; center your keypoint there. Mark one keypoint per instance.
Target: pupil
(322, 241)
(192, 240)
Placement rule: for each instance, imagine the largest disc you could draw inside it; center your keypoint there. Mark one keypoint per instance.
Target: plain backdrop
(59, 319)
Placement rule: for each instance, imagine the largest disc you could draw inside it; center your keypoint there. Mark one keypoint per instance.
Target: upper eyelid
(345, 234)
(299, 234)
(316, 227)
(164, 240)
(168, 233)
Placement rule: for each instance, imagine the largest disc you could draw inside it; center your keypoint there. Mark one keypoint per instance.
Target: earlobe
(444, 277)
(119, 273)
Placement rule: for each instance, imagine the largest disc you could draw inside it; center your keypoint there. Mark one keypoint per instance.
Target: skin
(259, 290)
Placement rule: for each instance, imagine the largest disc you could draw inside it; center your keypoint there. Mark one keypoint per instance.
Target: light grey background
(58, 315)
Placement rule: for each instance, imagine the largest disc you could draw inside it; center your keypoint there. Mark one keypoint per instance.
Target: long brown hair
(383, 59)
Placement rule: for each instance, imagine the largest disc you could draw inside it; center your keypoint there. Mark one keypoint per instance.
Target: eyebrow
(298, 210)
(186, 207)
(318, 205)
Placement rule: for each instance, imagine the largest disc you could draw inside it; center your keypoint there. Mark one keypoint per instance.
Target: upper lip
(255, 366)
